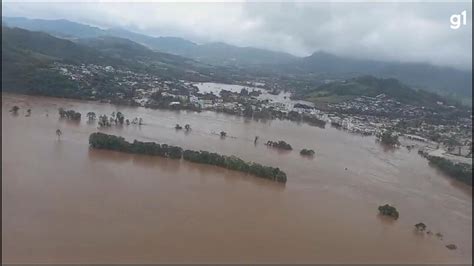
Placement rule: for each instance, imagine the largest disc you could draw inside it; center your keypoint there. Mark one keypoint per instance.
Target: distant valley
(313, 70)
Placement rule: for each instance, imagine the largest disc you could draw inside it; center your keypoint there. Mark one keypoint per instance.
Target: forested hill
(371, 86)
(28, 57)
(319, 66)
(443, 80)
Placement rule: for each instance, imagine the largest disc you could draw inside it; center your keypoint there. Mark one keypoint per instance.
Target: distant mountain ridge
(320, 65)
(28, 58)
(214, 53)
(419, 75)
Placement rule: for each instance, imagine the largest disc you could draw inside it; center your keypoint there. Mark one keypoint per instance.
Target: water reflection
(161, 164)
(193, 170)
(97, 156)
(69, 122)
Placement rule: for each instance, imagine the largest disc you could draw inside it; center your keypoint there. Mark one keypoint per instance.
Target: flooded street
(282, 97)
(63, 202)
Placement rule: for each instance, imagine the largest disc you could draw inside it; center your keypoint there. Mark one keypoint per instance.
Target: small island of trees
(388, 210)
(421, 227)
(14, 110)
(110, 142)
(69, 114)
(279, 145)
(388, 138)
(307, 152)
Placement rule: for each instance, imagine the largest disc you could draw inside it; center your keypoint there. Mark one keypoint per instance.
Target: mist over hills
(214, 53)
(371, 86)
(28, 59)
(118, 44)
(443, 80)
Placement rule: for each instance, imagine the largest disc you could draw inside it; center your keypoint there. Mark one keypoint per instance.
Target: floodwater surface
(63, 202)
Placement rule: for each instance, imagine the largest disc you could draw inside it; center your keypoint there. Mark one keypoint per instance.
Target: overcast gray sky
(396, 31)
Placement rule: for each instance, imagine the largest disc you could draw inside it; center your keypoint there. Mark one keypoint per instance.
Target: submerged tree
(104, 121)
(420, 227)
(307, 152)
(451, 246)
(388, 138)
(389, 211)
(15, 109)
(69, 114)
(62, 112)
(119, 118)
(58, 133)
(91, 116)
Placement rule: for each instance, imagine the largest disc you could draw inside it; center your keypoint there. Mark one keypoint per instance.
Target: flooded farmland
(64, 202)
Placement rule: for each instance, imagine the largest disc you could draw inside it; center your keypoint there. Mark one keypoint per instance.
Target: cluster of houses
(363, 115)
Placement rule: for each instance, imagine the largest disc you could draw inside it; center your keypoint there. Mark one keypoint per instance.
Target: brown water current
(63, 202)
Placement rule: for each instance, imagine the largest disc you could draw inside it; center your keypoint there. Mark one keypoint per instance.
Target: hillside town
(441, 127)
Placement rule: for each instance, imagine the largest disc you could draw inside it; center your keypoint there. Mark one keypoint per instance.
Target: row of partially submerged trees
(285, 146)
(116, 118)
(459, 171)
(391, 211)
(110, 142)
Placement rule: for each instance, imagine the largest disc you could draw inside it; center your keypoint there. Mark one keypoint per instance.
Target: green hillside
(370, 86)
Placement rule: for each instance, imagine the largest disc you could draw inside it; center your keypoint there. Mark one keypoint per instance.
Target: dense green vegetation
(459, 171)
(234, 163)
(388, 210)
(109, 142)
(371, 86)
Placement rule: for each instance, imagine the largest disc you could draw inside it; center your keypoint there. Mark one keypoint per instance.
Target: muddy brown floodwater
(63, 202)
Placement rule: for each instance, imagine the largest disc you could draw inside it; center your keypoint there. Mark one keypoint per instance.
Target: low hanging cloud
(407, 32)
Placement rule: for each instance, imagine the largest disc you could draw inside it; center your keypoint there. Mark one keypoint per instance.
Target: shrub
(307, 152)
(389, 211)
